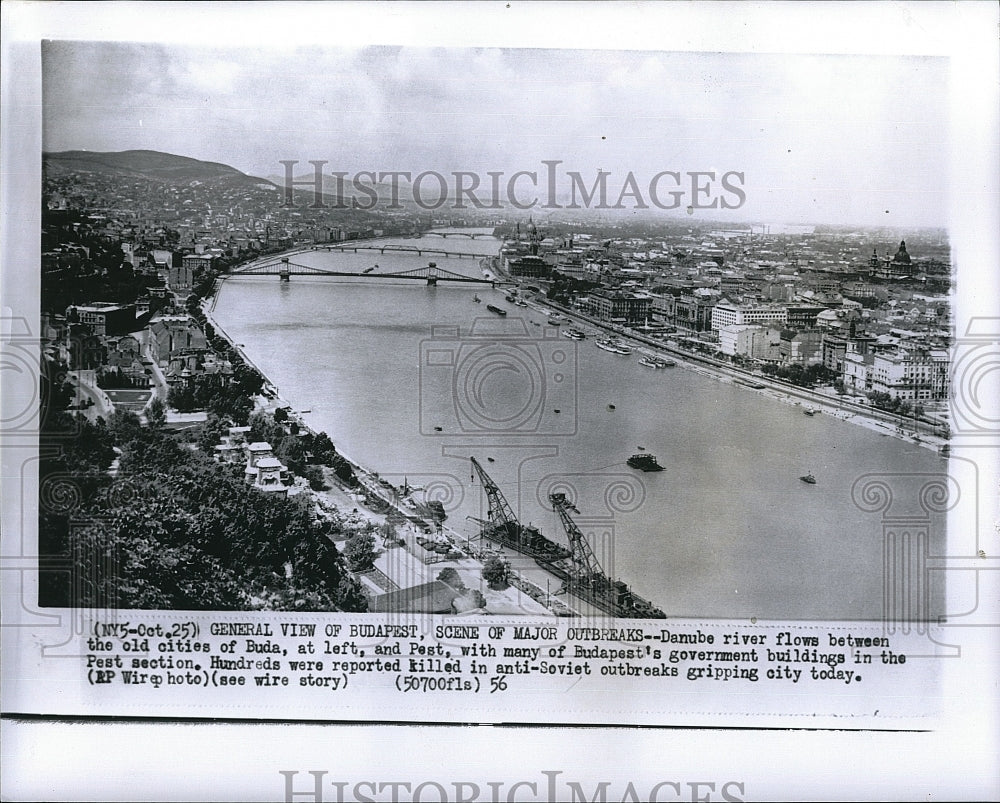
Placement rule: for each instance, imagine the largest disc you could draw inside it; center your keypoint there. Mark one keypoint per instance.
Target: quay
(786, 392)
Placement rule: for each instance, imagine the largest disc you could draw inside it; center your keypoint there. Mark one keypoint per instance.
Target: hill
(165, 168)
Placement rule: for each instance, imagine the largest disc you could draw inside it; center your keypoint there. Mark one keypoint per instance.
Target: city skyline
(819, 139)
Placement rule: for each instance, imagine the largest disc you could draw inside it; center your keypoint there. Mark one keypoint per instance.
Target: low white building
(728, 314)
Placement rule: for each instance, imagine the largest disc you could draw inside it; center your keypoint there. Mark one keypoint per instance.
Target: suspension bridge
(284, 269)
(472, 235)
(398, 249)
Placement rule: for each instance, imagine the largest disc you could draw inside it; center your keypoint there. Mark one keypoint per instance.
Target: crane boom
(501, 515)
(502, 525)
(585, 564)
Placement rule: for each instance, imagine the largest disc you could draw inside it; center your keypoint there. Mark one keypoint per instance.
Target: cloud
(792, 123)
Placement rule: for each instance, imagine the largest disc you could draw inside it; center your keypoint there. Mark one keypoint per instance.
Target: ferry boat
(644, 461)
(613, 345)
(574, 334)
(656, 362)
(497, 310)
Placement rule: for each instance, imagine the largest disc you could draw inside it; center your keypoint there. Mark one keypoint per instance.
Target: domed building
(891, 269)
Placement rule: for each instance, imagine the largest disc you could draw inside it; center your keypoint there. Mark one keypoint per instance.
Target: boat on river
(497, 310)
(809, 479)
(613, 345)
(574, 334)
(644, 461)
(651, 361)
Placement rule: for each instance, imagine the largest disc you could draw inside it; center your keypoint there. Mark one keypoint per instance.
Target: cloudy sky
(835, 139)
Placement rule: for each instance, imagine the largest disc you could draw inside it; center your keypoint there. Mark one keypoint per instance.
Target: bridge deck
(401, 249)
(419, 274)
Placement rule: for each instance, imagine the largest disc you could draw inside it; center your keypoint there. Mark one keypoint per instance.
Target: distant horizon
(821, 139)
(641, 216)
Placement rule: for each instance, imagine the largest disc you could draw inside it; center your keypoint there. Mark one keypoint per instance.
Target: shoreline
(882, 422)
(520, 586)
(412, 522)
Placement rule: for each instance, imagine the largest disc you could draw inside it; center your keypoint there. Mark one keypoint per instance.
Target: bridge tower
(285, 272)
(432, 278)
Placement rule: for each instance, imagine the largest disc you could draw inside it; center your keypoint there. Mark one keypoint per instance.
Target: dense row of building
(872, 323)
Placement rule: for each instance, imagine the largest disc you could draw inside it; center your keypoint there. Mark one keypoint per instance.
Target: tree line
(133, 517)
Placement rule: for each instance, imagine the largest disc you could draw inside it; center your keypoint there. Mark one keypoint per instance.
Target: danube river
(411, 380)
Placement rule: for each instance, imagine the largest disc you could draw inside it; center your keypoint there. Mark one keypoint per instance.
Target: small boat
(491, 460)
(611, 407)
(641, 448)
(646, 462)
(521, 302)
(477, 299)
(613, 345)
(656, 362)
(574, 334)
(808, 479)
(810, 411)
(497, 310)
(438, 429)
(556, 410)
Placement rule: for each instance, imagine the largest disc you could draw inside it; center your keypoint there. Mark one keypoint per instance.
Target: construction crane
(502, 525)
(502, 520)
(587, 579)
(586, 568)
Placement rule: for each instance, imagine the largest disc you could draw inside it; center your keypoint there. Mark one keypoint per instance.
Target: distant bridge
(284, 269)
(397, 249)
(472, 235)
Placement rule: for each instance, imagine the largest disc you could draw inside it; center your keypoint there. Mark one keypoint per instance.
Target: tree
(292, 452)
(156, 413)
(314, 476)
(451, 577)
(496, 573)
(360, 551)
(211, 433)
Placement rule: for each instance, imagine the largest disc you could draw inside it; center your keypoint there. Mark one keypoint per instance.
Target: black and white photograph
(518, 376)
(524, 331)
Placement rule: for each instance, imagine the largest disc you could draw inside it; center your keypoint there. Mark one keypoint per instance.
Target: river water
(726, 530)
